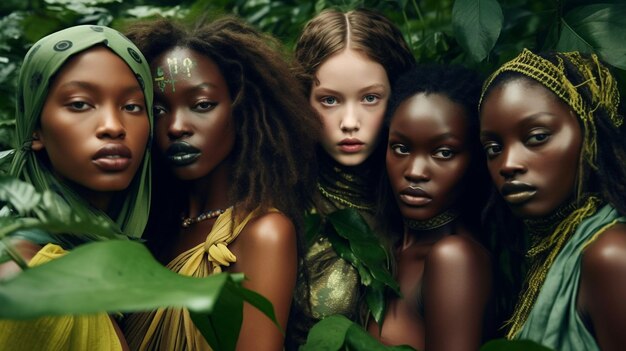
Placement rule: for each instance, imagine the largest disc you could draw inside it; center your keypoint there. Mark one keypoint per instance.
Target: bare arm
(23, 247)
(267, 254)
(603, 287)
(457, 289)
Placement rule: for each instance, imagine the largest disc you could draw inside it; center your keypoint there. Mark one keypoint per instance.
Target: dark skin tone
(198, 112)
(443, 272)
(94, 130)
(523, 141)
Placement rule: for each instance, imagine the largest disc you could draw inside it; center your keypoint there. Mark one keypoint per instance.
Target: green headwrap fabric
(42, 62)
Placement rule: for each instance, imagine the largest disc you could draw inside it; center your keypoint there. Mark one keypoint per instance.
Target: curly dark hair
(276, 130)
(462, 86)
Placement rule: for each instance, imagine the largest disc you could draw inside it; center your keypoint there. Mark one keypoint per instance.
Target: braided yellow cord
(543, 255)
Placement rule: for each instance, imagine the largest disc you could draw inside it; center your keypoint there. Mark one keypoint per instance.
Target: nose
(111, 124)
(417, 170)
(512, 163)
(350, 122)
(178, 126)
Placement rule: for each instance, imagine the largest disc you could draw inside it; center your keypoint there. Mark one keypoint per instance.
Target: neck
(210, 192)
(347, 186)
(431, 229)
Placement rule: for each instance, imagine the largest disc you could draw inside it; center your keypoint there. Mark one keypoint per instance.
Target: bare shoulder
(270, 229)
(607, 254)
(603, 287)
(459, 250)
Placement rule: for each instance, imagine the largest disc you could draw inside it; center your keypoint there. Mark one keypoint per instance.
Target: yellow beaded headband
(597, 77)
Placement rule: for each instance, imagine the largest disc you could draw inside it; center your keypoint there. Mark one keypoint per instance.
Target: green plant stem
(15, 256)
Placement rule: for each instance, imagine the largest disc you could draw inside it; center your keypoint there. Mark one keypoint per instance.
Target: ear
(37, 141)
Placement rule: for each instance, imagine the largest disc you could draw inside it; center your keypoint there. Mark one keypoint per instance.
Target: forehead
(179, 67)
(351, 68)
(83, 65)
(430, 114)
(511, 99)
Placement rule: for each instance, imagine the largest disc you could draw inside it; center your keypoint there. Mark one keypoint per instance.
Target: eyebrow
(90, 86)
(326, 90)
(438, 138)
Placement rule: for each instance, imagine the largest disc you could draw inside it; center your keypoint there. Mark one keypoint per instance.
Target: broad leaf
(108, 276)
(339, 333)
(477, 25)
(359, 339)
(596, 28)
(58, 217)
(513, 345)
(21, 196)
(122, 276)
(328, 334)
(221, 328)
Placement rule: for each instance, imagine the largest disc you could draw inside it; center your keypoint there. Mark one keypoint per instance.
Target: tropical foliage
(112, 275)
(478, 33)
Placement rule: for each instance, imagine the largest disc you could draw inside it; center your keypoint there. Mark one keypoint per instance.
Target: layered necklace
(346, 186)
(434, 222)
(186, 222)
(548, 235)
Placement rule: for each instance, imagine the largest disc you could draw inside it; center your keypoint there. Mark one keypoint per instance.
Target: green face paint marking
(173, 70)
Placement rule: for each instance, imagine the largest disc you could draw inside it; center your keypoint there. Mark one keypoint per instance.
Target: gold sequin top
(333, 285)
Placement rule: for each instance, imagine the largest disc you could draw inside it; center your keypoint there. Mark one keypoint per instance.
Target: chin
(350, 160)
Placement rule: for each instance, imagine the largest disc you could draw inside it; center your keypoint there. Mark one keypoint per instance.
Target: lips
(516, 192)
(113, 158)
(415, 196)
(351, 145)
(181, 154)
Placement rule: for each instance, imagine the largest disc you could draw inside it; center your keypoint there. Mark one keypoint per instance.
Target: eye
(204, 106)
(537, 139)
(399, 149)
(492, 149)
(78, 106)
(133, 108)
(444, 153)
(370, 99)
(329, 101)
(158, 110)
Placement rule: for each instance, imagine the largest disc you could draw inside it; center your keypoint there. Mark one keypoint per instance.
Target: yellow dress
(172, 328)
(63, 333)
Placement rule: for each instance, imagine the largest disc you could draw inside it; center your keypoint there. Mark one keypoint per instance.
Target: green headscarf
(42, 62)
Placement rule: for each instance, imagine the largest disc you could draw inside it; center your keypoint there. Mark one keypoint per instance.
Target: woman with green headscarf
(83, 121)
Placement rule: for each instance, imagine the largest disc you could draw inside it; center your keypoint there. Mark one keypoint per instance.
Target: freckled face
(533, 143)
(427, 155)
(350, 95)
(94, 123)
(194, 127)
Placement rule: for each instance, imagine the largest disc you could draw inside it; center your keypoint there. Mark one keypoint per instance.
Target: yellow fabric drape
(172, 328)
(63, 333)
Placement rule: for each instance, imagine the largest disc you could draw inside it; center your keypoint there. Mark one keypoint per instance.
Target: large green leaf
(122, 276)
(329, 334)
(513, 345)
(21, 196)
(599, 28)
(477, 25)
(339, 333)
(106, 276)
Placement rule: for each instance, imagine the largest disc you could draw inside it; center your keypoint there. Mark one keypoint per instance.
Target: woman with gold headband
(553, 136)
